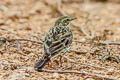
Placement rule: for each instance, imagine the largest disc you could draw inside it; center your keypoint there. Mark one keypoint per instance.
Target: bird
(58, 40)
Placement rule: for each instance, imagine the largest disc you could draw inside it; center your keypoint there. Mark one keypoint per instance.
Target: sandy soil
(31, 19)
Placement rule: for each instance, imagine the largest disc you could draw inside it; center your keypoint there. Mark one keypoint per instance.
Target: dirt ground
(31, 19)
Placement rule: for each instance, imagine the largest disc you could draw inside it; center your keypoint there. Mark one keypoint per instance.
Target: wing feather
(58, 41)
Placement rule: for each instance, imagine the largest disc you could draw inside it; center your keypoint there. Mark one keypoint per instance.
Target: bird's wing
(56, 42)
(61, 44)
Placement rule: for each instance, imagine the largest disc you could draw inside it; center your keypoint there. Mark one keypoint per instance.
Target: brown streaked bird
(57, 41)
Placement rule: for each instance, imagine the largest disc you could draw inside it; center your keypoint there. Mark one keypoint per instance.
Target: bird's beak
(73, 19)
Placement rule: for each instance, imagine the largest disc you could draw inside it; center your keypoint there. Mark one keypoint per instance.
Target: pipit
(57, 41)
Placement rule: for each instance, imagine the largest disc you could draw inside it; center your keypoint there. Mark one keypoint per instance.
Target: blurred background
(30, 19)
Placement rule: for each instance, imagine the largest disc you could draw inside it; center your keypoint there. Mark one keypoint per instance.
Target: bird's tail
(41, 63)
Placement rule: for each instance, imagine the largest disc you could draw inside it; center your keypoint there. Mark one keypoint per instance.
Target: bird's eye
(67, 19)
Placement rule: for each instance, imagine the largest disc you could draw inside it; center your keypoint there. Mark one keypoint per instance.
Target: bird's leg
(61, 56)
(49, 63)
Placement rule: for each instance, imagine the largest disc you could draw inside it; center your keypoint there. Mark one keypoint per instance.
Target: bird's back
(57, 39)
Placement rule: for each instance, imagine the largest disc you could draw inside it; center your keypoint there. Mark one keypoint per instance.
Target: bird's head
(64, 21)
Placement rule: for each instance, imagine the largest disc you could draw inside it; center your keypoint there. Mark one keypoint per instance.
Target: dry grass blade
(109, 43)
(80, 72)
(100, 41)
(39, 42)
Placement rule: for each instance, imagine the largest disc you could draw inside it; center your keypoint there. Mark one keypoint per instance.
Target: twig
(80, 72)
(38, 37)
(78, 52)
(88, 65)
(109, 43)
(25, 40)
(82, 29)
(80, 41)
(21, 39)
(70, 60)
(100, 41)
